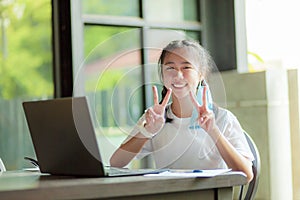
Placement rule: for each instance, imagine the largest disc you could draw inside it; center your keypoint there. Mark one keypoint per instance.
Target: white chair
(2, 167)
(253, 185)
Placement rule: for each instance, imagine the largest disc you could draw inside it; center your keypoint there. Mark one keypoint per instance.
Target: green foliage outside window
(26, 55)
(111, 7)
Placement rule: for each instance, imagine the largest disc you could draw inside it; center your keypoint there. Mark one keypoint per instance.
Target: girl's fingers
(153, 120)
(153, 114)
(204, 99)
(205, 118)
(147, 117)
(155, 95)
(167, 98)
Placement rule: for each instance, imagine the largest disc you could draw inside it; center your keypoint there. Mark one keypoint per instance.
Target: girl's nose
(179, 74)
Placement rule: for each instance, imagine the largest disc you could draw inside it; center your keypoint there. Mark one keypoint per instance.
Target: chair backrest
(253, 185)
(2, 167)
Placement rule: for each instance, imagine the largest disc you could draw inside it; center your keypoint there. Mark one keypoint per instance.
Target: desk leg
(224, 193)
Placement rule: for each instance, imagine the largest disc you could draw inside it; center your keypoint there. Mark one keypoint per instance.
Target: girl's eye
(169, 68)
(187, 67)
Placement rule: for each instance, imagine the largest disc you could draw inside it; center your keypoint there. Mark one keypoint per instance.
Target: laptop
(64, 139)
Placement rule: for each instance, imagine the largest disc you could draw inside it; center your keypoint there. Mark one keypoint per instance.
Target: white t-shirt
(177, 145)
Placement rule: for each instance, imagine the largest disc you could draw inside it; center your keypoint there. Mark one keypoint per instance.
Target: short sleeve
(232, 130)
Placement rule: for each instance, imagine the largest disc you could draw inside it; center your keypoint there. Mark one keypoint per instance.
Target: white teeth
(179, 85)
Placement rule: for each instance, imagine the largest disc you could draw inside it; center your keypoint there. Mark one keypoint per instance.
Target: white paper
(185, 173)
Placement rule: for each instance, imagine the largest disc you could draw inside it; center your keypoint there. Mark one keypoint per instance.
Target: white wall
(273, 31)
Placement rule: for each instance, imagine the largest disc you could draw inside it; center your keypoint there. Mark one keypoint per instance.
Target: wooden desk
(33, 185)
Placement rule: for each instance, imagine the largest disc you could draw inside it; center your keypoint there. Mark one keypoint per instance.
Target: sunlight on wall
(273, 45)
(273, 32)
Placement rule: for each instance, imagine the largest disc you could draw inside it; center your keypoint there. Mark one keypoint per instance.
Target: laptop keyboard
(126, 171)
(115, 170)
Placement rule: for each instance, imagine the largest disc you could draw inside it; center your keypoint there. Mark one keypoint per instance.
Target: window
(25, 72)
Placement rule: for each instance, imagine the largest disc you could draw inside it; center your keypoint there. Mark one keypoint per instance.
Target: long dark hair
(204, 61)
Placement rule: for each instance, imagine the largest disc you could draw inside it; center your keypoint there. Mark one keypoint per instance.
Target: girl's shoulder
(226, 120)
(223, 113)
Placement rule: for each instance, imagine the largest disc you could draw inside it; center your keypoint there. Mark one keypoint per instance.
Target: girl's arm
(230, 155)
(127, 151)
(148, 126)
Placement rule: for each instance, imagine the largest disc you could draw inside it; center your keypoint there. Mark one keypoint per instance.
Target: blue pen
(186, 171)
(197, 170)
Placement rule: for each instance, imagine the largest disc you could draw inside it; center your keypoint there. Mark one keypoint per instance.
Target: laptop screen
(63, 136)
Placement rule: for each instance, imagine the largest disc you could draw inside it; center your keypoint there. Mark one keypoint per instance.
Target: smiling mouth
(179, 86)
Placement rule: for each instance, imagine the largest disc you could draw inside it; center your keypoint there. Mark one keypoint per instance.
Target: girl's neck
(182, 108)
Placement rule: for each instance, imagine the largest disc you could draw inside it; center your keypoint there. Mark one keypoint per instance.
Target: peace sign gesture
(206, 117)
(154, 116)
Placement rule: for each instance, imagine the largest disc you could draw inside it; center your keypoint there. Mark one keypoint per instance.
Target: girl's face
(180, 73)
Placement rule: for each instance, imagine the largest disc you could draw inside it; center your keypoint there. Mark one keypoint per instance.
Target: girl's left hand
(155, 116)
(206, 117)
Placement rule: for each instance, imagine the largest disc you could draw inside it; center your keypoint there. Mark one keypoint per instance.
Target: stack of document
(191, 173)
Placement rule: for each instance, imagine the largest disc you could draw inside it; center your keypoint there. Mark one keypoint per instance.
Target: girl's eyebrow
(186, 62)
(168, 63)
(171, 62)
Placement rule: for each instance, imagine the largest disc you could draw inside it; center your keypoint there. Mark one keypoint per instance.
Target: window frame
(216, 24)
(62, 48)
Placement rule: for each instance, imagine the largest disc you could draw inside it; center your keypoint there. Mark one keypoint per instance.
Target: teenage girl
(190, 132)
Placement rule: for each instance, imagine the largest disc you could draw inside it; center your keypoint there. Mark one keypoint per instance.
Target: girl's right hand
(155, 116)
(206, 117)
